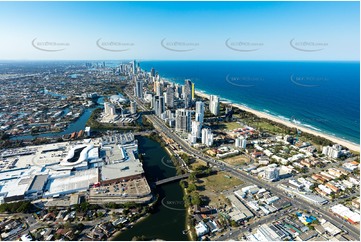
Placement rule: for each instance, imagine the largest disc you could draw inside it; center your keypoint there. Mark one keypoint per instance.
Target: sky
(180, 31)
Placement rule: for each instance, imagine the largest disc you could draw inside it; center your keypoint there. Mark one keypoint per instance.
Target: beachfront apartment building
(214, 105)
(199, 111)
(332, 152)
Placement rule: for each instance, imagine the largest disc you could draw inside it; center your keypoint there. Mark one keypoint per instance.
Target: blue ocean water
(324, 96)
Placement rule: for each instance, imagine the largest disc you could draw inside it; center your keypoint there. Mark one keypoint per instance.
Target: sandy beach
(345, 143)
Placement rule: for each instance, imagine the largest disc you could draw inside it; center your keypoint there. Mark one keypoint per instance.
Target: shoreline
(119, 232)
(350, 145)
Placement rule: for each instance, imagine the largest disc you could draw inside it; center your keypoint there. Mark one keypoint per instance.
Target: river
(167, 222)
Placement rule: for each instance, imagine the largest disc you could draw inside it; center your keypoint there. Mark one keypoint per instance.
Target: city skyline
(314, 31)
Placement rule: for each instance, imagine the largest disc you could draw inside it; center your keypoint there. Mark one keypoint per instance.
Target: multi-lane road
(301, 204)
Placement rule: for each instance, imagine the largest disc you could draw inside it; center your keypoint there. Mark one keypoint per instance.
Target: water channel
(167, 222)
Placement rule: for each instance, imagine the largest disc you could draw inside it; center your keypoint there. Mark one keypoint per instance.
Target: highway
(301, 204)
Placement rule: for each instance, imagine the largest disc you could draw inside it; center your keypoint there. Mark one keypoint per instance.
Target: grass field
(213, 186)
(220, 182)
(232, 125)
(266, 127)
(225, 125)
(237, 160)
(197, 163)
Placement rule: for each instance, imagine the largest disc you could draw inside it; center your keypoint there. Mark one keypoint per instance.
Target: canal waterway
(76, 126)
(167, 222)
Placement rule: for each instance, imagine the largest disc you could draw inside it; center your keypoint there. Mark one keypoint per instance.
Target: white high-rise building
(207, 137)
(148, 98)
(109, 109)
(164, 94)
(167, 115)
(200, 111)
(134, 67)
(183, 120)
(178, 91)
(196, 129)
(158, 88)
(271, 173)
(133, 107)
(333, 152)
(240, 142)
(192, 139)
(214, 105)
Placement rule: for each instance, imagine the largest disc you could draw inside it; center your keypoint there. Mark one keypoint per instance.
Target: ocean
(323, 96)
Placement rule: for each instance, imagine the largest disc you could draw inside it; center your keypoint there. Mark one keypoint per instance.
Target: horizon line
(54, 60)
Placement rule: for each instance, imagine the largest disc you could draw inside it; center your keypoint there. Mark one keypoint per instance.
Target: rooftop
(80, 181)
(119, 170)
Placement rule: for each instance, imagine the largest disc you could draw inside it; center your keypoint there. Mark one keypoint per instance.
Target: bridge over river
(172, 179)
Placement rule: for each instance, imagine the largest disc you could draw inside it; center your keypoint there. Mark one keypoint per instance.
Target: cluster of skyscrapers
(175, 103)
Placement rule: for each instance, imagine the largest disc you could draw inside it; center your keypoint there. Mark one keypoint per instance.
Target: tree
(192, 187)
(130, 205)
(18, 207)
(312, 187)
(187, 201)
(192, 176)
(315, 222)
(195, 198)
(183, 184)
(67, 225)
(234, 223)
(139, 238)
(126, 211)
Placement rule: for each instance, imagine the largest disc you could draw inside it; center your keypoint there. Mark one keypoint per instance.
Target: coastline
(345, 143)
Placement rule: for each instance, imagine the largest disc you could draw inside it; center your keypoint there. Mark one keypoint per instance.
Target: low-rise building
(201, 229)
(346, 213)
(331, 228)
(240, 212)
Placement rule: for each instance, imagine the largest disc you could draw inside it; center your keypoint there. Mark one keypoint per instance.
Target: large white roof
(79, 181)
(117, 98)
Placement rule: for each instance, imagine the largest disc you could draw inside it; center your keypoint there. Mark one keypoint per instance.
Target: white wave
(311, 127)
(283, 117)
(296, 121)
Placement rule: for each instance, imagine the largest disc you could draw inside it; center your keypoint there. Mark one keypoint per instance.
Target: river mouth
(167, 220)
